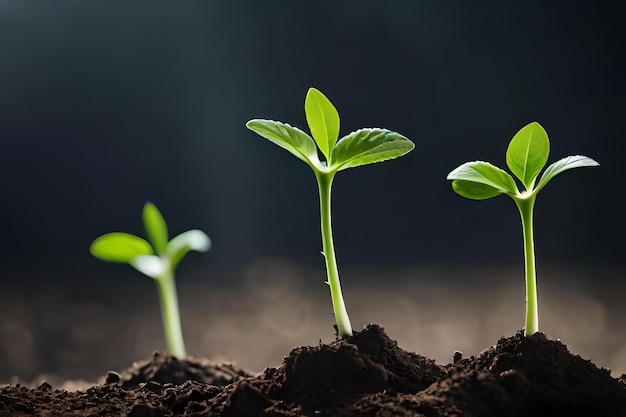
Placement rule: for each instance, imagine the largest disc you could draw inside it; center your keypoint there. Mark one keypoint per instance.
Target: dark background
(105, 105)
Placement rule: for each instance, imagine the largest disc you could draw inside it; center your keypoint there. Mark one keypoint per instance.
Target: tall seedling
(526, 156)
(362, 147)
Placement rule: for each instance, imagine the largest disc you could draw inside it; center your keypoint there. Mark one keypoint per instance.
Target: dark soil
(165, 369)
(365, 375)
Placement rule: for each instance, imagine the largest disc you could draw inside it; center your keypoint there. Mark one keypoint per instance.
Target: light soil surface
(81, 327)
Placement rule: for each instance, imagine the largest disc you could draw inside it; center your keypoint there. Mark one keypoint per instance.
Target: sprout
(526, 156)
(362, 147)
(156, 259)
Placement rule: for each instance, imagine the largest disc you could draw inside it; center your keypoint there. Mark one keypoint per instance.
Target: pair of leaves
(526, 156)
(362, 147)
(154, 256)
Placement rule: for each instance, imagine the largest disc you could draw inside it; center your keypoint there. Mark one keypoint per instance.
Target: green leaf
(323, 121)
(155, 226)
(528, 152)
(474, 190)
(119, 247)
(484, 173)
(569, 162)
(287, 137)
(190, 240)
(367, 146)
(150, 265)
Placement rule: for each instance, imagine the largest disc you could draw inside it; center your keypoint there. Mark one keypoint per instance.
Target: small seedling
(362, 147)
(156, 258)
(526, 156)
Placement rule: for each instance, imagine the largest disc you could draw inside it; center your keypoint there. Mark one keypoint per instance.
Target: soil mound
(365, 375)
(166, 369)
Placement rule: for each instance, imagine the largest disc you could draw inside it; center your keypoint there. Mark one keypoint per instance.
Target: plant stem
(325, 181)
(168, 297)
(525, 206)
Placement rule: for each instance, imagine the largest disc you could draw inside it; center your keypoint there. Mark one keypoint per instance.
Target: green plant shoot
(157, 258)
(526, 156)
(361, 147)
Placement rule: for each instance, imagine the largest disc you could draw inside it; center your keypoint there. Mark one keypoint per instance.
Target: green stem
(525, 206)
(168, 297)
(325, 181)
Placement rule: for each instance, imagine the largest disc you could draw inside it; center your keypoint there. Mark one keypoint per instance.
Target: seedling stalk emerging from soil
(156, 258)
(526, 156)
(362, 147)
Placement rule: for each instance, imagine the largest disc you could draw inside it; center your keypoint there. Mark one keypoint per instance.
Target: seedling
(156, 258)
(526, 156)
(362, 147)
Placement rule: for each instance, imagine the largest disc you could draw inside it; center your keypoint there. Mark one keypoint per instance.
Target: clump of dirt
(542, 376)
(365, 375)
(330, 378)
(519, 376)
(164, 369)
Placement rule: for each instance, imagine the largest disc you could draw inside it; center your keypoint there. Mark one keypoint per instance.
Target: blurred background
(106, 105)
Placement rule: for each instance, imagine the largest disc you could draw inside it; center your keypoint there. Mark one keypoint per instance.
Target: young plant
(156, 258)
(362, 147)
(526, 156)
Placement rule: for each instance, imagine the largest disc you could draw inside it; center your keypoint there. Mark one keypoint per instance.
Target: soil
(365, 375)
